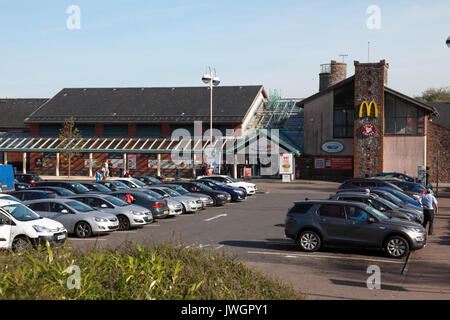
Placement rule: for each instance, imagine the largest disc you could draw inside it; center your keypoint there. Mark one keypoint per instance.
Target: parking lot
(254, 231)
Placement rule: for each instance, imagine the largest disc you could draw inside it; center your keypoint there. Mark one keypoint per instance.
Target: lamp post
(210, 77)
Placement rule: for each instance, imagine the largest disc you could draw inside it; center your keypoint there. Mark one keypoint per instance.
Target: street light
(448, 42)
(210, 77)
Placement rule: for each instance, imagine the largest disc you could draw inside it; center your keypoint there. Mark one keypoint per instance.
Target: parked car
(95, 186)
(204, 198)
(113, 185)
(33, 194)
(21, 228)
(73, 186)
(397, 175)
(130, 182)
(388, 196)
(219, 197)
(175, 207)
(62, 192)
(313, 224)
(159, 208)
(4, 196)
(27, 178)
(410, 188)
(21, 185)
(402, 196)
(190, 204)
(148, 180)
(367, 183)
(76, 217)
(129, 215)
(237, 194)
(386, 207)
(250, 188)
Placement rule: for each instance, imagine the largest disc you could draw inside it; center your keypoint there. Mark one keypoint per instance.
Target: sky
(279, 44)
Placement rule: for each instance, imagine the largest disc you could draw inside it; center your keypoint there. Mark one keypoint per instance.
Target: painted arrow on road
(219, 216)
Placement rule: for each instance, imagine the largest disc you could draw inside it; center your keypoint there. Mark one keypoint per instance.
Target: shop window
(86, 129)
(402, 117)
(50, 129)
(116, 130)
(150, 130)
(343, 112)
(189, 128)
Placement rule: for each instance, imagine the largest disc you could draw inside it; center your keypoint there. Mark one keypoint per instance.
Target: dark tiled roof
(151, 105)
(14, 111)
(444, 113)
(331, 88)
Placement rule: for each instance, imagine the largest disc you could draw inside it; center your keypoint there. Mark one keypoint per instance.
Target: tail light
(32, 182)
(157, 205)
(423, 192)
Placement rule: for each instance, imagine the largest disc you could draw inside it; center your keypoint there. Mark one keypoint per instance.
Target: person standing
(105, 166)
(430, 208)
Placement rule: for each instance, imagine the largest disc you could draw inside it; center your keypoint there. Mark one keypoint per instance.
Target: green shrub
(133, 272)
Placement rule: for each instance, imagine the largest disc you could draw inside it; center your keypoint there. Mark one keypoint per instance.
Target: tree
(436, 95)
(69, 137)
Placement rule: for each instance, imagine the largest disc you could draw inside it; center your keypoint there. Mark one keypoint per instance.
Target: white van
(21, 228)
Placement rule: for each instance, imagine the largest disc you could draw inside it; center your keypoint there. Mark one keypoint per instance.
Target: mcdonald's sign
(368, 108)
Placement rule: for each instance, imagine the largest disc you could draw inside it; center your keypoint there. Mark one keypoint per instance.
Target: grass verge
(133, 272)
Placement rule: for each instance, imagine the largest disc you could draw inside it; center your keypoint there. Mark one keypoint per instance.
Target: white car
(130, 182)
(21, 228)
(250, 188)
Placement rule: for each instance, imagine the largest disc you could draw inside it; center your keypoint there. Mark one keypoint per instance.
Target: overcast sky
(279, 44)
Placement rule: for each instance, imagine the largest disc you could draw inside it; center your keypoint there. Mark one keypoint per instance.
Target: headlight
(101, 220)
(418, 230)
(192, 202)
(221, 196)
(137, 213)
(41, 229)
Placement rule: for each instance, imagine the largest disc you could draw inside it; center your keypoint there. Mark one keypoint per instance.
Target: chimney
(332, 73)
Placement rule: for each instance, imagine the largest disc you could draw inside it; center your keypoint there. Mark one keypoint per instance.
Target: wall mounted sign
(336, 163)
(368, 129)
(332, 146)
(286, 163)
(368, 108)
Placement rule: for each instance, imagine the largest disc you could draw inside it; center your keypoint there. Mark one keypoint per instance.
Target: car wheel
(124, 223)
(21, 244)
(309, 241)
(83, 230)
(396, 247)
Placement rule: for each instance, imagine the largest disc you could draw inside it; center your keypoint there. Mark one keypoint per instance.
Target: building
(358, 125)
(134, 129)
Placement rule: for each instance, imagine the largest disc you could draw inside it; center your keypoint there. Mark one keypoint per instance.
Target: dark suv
(313, 224)
(27, 178)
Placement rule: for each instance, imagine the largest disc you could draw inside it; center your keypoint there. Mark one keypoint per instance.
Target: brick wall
(370, 79)
(438, 138)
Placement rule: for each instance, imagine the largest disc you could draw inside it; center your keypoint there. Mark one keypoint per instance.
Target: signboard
(247, 172)
(286, 163)
(336, 163)
(368, 129)
(332, 146)
(132, 162)
(286, 178)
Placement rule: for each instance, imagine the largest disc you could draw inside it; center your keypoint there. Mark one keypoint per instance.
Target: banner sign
(336, 163)
(286, 163)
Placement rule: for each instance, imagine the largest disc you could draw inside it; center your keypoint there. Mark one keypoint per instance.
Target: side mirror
(371, 220)
(65, 211)
(103, 205)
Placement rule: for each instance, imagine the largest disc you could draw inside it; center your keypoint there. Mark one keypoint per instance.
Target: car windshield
(393, 186)
(119, 184)
(181, 190)
(137, 182)
(20, 212)
(64, 192)
(232, 179)
(79, 188)
(376, 213)
(153, 194)
(203, 187)
(388, 203)
(153, 180)
(402, 196)
(171, 192)
(100, 187)
(79, 206)
(8, 197)
(116, 201)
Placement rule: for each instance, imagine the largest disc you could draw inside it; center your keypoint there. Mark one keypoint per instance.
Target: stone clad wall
(438, 138)
(370, 79)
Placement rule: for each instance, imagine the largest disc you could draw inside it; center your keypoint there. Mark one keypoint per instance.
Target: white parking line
(288, 255)
(85, 239)
(216, 217)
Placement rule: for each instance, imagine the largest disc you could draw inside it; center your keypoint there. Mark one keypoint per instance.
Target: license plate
(60, 237)
(166, 212)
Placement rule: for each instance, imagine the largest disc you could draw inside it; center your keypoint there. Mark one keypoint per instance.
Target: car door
(5, 231)
(333, 222)
(68, 219)
(360, 231)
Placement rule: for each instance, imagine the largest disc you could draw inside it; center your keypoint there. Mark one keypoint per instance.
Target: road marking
(287, 255)
(216, 217)
(85, 239)
(217, 248)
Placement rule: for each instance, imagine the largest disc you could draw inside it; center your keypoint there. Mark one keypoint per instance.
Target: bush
(133, 272)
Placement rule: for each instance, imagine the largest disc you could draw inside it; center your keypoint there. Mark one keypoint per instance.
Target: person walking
(105, 165)
(430, 208)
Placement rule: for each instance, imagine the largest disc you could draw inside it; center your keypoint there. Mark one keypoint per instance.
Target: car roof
(359, 194)
(339, 202)
(60, 200)
(34, 190)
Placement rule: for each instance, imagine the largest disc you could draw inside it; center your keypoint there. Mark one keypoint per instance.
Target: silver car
(77, 217)
(190, 204)
(129, 215)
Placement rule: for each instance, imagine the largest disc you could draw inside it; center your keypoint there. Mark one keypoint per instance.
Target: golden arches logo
(368, 108)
